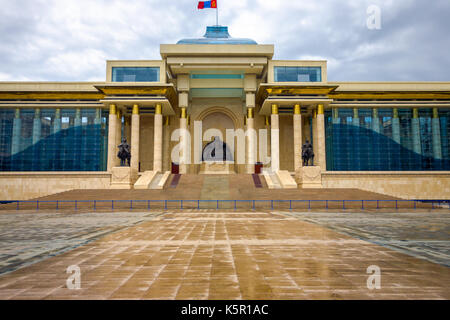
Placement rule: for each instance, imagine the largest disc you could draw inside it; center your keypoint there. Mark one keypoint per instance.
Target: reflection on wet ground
(422, 234)
(215, 255)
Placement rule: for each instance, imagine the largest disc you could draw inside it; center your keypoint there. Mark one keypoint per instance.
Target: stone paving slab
(422, 234)
(215, 255)
(29, 237)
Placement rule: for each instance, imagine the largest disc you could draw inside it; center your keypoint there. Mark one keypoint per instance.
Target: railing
(222, 204)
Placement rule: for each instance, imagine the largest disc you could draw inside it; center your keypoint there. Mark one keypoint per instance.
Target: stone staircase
(217, 187)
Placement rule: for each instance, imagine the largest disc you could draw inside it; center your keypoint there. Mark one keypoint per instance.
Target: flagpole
(217, 16)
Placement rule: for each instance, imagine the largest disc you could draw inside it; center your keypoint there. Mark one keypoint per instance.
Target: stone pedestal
(123, 178)
(309, 177)
(226, 167)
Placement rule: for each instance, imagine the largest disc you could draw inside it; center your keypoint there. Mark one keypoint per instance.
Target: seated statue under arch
(216, 151)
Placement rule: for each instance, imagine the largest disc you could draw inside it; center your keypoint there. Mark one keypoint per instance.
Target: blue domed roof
(217, 35)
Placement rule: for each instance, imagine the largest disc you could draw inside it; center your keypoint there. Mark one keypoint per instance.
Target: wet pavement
(26, 238)
(425, 235)
(223, 255)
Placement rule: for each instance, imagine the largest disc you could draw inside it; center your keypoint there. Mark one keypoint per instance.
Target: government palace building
(391, 138)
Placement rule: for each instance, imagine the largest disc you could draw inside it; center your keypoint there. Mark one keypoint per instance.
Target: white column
(269, 139)
(183, 142)
(166, 145)
(135, 138)
(297, 118)
(321, 138)
(157, 151)
(275, 139)
(112, 132)
(251, 141)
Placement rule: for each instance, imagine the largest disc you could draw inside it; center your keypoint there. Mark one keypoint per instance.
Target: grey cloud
(70, 40)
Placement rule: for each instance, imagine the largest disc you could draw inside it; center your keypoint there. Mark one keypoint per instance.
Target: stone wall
(25, 186)
(406, 185)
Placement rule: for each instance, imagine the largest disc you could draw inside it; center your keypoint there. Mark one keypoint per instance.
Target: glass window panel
(363, 147)
(298, 74)
(135, 74)
(48, 143)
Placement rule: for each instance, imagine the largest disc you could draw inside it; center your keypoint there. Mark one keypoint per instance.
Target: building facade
(387, 137)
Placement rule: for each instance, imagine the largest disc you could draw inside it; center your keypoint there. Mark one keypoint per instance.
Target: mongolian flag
(207, 4)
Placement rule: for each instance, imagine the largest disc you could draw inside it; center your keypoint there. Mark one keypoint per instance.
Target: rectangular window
(135, 74)
(298, 74)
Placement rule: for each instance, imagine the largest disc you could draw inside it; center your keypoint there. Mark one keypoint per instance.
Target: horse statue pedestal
(123, 178)
(309, 177)
(217, 167)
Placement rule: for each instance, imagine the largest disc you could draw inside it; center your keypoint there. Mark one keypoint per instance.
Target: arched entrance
(215, 122)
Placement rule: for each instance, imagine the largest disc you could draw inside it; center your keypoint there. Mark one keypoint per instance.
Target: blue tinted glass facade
(387, 139)
(135, 74)
(53, 139)
(297, 74)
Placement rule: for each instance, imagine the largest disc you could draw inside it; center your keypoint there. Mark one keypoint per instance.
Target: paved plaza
(225, 255)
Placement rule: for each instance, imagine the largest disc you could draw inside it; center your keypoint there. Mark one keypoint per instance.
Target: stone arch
(218, 118)
(223, 110)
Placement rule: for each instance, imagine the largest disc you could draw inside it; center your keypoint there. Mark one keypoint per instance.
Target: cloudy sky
(69, 40)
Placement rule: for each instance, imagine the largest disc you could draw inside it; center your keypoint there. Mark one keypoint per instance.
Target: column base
(309, 177)
(123, 178)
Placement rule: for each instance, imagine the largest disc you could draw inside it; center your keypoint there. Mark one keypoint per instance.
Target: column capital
(375, 112)
(17, 113)
(250, 113)
(37, 112)
(183, 112)
(297, 109)
(320, 109)
(135, 109)
(267, 121)
(158, 108)
(274, 109)
(355, 113)
(435, 113)
(395, 112)
(119, 114)
(112, 109)
(415, 113)
(167, 121)
(335, 113)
